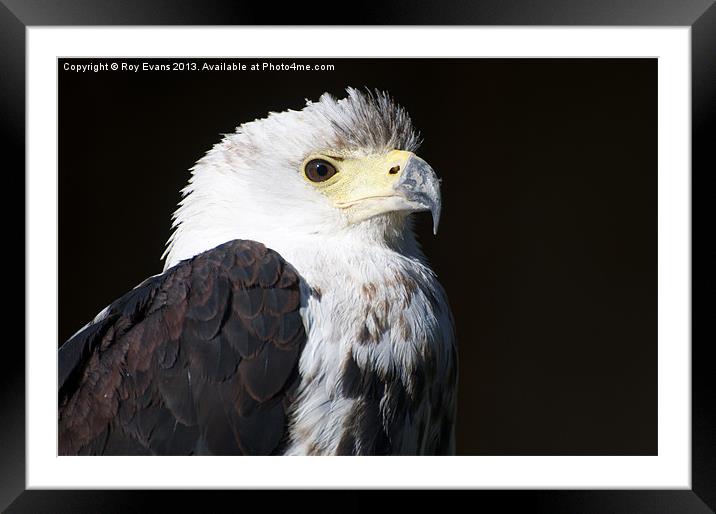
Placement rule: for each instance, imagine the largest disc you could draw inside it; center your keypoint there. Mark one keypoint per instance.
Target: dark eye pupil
(319, 170)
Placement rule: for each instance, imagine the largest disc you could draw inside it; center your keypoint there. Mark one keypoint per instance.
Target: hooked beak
(420, 186)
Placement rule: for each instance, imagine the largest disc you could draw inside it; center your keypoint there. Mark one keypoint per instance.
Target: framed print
(560, 163)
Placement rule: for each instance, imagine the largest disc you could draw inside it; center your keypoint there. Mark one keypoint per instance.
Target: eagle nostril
(394, 170)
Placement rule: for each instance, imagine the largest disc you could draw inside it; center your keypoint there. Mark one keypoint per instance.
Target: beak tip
(435, 211)
(420, 185)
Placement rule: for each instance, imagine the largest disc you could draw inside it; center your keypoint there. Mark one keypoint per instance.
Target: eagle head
(338, 170)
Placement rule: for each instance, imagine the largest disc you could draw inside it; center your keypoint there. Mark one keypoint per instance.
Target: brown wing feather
(202, 359)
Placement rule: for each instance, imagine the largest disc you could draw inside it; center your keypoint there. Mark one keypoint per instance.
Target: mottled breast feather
(202, 359)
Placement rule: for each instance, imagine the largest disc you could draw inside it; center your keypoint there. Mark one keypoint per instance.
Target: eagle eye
(319, 170)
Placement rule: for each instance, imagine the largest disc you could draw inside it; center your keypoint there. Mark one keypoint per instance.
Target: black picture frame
(700, 15)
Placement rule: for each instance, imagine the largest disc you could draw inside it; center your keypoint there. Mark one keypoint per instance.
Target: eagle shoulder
(202, 359)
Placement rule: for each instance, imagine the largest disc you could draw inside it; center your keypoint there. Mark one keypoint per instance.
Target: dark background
(548, 239)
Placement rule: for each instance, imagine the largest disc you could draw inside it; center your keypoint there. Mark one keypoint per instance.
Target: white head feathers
(248, 186)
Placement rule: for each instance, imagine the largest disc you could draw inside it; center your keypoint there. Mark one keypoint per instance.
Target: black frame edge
(703, 127)
(12, 134)
(393, 12)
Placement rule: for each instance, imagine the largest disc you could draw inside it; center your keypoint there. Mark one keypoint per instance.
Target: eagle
(296, 313)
